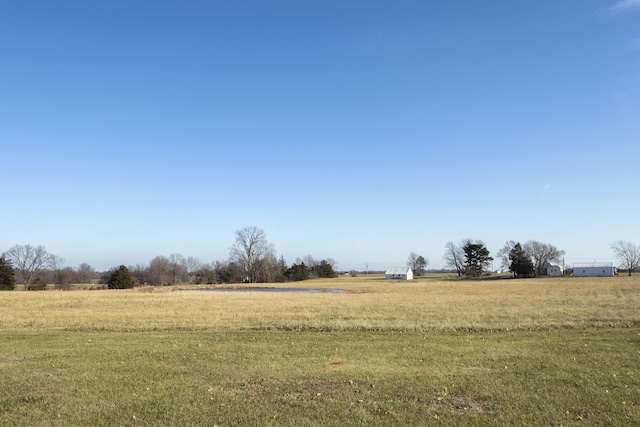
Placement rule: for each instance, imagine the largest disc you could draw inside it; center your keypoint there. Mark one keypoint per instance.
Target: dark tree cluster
(318, 270)
(521, 264)
(7, 275)
(323, 270)
(297, 273)
(472, 258)
(533, 252)
(469, 257)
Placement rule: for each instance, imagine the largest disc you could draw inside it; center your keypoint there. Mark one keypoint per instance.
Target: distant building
(399, 273)
(593, 269)
(552, 270)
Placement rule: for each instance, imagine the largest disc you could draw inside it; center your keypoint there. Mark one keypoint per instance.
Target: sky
(355, 130)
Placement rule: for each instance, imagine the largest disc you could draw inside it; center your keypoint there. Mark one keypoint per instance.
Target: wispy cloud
(626, 6)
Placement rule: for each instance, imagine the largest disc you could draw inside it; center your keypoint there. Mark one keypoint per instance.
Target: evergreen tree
(477, 256)
(121, 279)
(521, 264)
(324, 270)
(7, 275)
(297, 272)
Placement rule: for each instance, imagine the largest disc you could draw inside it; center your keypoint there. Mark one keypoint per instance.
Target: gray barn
(592, 269)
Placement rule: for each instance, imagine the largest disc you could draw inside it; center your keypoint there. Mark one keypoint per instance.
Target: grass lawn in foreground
(590, 377)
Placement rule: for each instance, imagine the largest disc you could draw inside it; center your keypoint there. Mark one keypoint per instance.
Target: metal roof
(397, 270)
(592, 264)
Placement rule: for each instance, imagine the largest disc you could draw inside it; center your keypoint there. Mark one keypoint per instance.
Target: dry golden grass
(372, 304)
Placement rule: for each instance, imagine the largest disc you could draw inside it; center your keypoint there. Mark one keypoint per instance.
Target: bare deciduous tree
(332, 262)
(65, 278)
(269, 269)
(191, 265)
(55, 263)
(503, 254)
(159, 271)
(85, 273)
(454, 257)
(226, 272)
(250, 249)
(627, 253)
(29, 261)
(308, 260)
(541, 254)
(178, 269)
(417, 263)
(140, 273)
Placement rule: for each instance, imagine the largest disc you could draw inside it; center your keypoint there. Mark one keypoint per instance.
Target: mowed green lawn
(431, 352)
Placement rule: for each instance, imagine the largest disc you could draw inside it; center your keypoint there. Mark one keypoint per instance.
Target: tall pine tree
(521, 264)
(7, 275)
(478, 259)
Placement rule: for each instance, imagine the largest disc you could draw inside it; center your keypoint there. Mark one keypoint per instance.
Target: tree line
(252, 259)
(529, 259)
(34, 267)
(472, 258)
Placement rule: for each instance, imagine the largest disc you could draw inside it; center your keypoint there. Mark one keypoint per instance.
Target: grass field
(435, 351)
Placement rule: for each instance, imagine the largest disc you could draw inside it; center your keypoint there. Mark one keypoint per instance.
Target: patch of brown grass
(452, 404)
(373, 304)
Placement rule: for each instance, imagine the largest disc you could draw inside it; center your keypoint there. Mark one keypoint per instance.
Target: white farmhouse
(552, 270)
(399, 273)
(593, 269)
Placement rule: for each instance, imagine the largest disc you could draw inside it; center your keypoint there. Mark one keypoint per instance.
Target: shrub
(121, 279)
(39, 284)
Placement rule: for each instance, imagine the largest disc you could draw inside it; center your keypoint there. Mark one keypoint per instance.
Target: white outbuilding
(593, 269)
(399, 273)
(552, 270)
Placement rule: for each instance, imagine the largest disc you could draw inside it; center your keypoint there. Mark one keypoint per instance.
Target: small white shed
(593, 269)
(399, 273)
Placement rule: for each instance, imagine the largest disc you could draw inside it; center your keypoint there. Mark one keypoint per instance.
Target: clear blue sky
(356, 130)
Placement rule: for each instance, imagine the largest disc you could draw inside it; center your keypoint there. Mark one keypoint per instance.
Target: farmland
(434, 351)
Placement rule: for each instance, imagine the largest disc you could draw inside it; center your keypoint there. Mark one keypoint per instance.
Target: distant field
(373, 304)
(436, 350)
